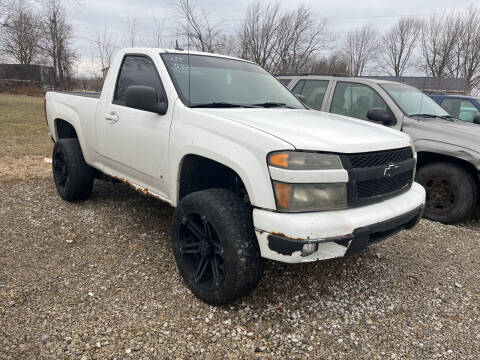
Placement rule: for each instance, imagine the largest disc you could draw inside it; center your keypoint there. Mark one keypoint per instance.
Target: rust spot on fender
(288, 237)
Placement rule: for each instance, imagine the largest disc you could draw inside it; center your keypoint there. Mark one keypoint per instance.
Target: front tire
(215, 246)
(452, 192)
(72, 175)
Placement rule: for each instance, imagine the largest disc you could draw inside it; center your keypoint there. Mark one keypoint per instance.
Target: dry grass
(23, 130)
(24, 139)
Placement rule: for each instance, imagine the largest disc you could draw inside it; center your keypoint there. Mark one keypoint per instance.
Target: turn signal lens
(280, 160)
(300, 160)
(283, 193)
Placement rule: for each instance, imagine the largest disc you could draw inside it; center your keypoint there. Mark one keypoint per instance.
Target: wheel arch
(198, 172)
(64, 129)
(427, 157)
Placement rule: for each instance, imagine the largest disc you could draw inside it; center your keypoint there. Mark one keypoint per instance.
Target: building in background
(16, 75)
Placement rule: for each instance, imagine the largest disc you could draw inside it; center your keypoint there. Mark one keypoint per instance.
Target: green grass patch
(23, 130)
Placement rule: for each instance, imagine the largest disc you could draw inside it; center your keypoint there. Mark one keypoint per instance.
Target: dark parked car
(466, 108)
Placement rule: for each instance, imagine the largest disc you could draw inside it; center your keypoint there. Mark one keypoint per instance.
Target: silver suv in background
(448, 149)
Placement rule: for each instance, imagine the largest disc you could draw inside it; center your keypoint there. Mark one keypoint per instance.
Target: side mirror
(382, 116)
(476, 120)
(145, 98)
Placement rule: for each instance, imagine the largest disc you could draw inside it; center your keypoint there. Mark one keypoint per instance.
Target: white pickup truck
(251, 172)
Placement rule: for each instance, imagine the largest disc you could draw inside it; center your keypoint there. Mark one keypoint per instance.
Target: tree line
(38, 35)
(293, 41)
(281, 41)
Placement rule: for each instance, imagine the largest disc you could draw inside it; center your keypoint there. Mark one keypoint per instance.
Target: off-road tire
(77, 182)
(231, 219)
(462, 183)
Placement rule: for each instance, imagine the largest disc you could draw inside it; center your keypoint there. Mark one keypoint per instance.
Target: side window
(285, 82)
(137, 70)
(313, 91)
(355, 100)
(452, 106)
(462, 109)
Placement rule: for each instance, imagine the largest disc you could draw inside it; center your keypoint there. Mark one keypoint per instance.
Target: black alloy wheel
(202, 251)
(60, 168)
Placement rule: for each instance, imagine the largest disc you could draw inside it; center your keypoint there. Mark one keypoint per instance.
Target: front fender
(242, 148)
(447, 149)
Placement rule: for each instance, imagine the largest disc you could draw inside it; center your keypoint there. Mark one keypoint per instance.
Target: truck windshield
(221, 82)
(413, 102)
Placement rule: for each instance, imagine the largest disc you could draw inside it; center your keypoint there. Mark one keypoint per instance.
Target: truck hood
(457, 132)
(315, 130)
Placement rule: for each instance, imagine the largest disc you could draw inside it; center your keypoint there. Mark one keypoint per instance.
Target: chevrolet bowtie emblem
(389, 171)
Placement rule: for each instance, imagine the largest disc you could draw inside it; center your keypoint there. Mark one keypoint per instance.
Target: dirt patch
(25, 167)
(96, 279)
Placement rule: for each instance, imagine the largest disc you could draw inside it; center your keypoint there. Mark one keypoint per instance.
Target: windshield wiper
(269, 104)
(448, 117)
(431, 116)
(221, 105)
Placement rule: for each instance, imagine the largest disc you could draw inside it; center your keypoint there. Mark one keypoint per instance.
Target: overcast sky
(342, 15)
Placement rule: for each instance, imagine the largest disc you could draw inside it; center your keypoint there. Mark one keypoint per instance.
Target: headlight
(296, 160)
(310, 197)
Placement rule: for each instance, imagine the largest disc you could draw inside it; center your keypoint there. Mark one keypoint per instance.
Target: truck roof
(184, 51)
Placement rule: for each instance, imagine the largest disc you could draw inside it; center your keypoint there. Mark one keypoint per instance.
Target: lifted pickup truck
(252, 173)
(448, 149)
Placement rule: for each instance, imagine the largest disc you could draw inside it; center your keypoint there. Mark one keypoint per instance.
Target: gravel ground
(97, 280)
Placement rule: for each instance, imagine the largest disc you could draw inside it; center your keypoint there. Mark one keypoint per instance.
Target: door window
(354, 100)
(313, 91)
(460, 108)
(137, 70)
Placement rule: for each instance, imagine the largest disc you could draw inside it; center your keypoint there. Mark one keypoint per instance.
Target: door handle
(112, 117)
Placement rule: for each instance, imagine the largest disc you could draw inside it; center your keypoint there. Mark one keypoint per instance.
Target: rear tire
(452, 192)
(73, 177)
(215, 246)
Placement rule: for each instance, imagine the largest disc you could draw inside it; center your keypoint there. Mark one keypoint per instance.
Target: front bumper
(332, 234)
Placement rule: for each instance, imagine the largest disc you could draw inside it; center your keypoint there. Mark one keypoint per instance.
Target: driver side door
(135, 142)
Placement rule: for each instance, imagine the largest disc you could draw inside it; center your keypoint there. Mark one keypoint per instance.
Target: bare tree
(440, 34)
(334, 63)
(4, 10)
(130, 39)
(196, 28)
(299, 38)
(281, 42)
(399, 44)
(21, 34)
(258, 33)
(467, 59)
(158, 32)
(56, 41)
(105, 47)
(361, 48)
